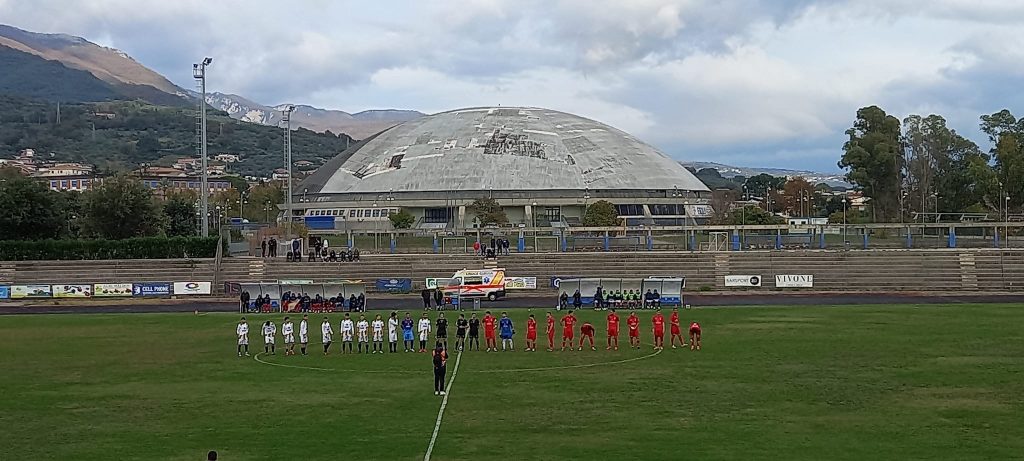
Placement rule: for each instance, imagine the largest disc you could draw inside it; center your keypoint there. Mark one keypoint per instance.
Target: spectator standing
(263, 248)
(272, 246)
(439, 298)
(296, 248)
(243, 304)
(476, 248)
(425, 294)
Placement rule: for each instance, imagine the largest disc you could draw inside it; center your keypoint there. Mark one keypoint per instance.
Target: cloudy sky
(770, 83)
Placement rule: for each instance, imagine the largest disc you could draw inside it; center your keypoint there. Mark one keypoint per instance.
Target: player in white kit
(347, 329)
(424, 329)
(269, 332)
(288, 331)
(378, 335)
(242, 331)
(327, 331)
(304, 333)
(393, 332)
(362, 327)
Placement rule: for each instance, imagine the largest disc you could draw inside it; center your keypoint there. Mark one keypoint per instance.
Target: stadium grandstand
(542, 166)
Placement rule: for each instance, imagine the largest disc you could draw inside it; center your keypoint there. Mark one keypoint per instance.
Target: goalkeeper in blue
(506, 330)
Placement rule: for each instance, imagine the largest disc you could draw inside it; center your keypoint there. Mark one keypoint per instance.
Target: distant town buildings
(184, 175)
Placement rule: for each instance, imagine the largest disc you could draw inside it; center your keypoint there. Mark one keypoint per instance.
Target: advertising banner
(31, 291)
(742, 280)
(794, 281)
(521, 283)
(151, 289)
(295, 282)
(394, 285)
(193, 288)
(72, 291)
(5, 292)
(101, 290)
(430, 283)
(557, 281)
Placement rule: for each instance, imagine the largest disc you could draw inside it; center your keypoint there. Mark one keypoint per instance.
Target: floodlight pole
(287, 115)
(199, 73)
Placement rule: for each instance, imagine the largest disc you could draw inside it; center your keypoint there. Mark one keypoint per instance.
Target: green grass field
(858, 383)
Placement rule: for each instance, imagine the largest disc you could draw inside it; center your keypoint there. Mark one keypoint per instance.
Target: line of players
(362, 331)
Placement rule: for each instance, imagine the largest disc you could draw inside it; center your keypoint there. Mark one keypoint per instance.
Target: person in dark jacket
(263, 248)
(440, 359)
(563, 301)
(439, 298)
(243, 302)
(425, 294)
(577, 300)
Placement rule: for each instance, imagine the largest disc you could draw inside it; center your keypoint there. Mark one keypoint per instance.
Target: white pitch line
(444, 403)
(566, 367)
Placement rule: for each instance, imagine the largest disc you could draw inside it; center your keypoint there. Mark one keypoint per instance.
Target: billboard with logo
(394, 285)
(193, 288)
(742, 280)
(31, 291)
(794, 281)
(520, 283)
(151, 289)
(109, 290)
(72, 291)
(5, 292)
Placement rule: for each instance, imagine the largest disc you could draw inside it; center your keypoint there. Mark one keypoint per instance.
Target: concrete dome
(500, 149)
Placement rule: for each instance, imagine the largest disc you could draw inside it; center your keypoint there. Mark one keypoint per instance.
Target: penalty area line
(444, 403)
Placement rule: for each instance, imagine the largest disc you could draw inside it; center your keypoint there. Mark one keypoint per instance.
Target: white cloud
(773, 80)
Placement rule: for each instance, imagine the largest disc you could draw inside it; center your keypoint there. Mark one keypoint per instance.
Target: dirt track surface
(413, 302)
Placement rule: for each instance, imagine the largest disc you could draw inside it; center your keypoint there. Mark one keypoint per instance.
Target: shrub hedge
(134, 248)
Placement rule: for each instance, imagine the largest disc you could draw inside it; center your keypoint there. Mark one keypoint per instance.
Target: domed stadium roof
(499, 149)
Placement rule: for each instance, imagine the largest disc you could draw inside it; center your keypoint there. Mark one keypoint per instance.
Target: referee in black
(440, 358)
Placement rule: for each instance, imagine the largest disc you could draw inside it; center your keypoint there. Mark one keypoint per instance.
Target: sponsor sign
(295, 282)
(794, 281)
(193, 288)
(72, 291)
(31, 291)
(5, 292)
(521, 283)
(394, 285)
(557, 281)
(742, 280)
(111, 289)
(151, 289)
(700, 211)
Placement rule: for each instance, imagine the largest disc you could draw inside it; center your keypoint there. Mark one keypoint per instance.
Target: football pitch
(857, 382)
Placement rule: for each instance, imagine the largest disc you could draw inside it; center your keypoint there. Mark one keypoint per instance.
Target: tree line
(920, 165)
(119, 207)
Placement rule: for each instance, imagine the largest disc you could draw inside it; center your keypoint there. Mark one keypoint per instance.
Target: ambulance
(477, 283)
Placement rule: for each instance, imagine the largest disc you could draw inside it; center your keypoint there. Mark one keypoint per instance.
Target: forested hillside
(120, 135)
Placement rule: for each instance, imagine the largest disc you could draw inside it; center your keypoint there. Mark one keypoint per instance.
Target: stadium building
(542, 166)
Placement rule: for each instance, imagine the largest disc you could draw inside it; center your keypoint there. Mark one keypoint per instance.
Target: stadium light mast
(199, 73)
(287, 115)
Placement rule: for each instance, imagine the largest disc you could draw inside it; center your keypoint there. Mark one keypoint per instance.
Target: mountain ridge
(127, 78)
(730, 171)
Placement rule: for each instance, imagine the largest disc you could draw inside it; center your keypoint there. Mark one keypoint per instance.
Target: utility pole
(287, 116)
(199, 73)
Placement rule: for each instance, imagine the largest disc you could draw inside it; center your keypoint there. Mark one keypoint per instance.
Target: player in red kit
(489, 323)
(587, 332)
(568, 325)
(613, 329)
(673, 320)
(633, 322)
(531, 334)
(694, 336)
(658, 322)
(551, 332)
